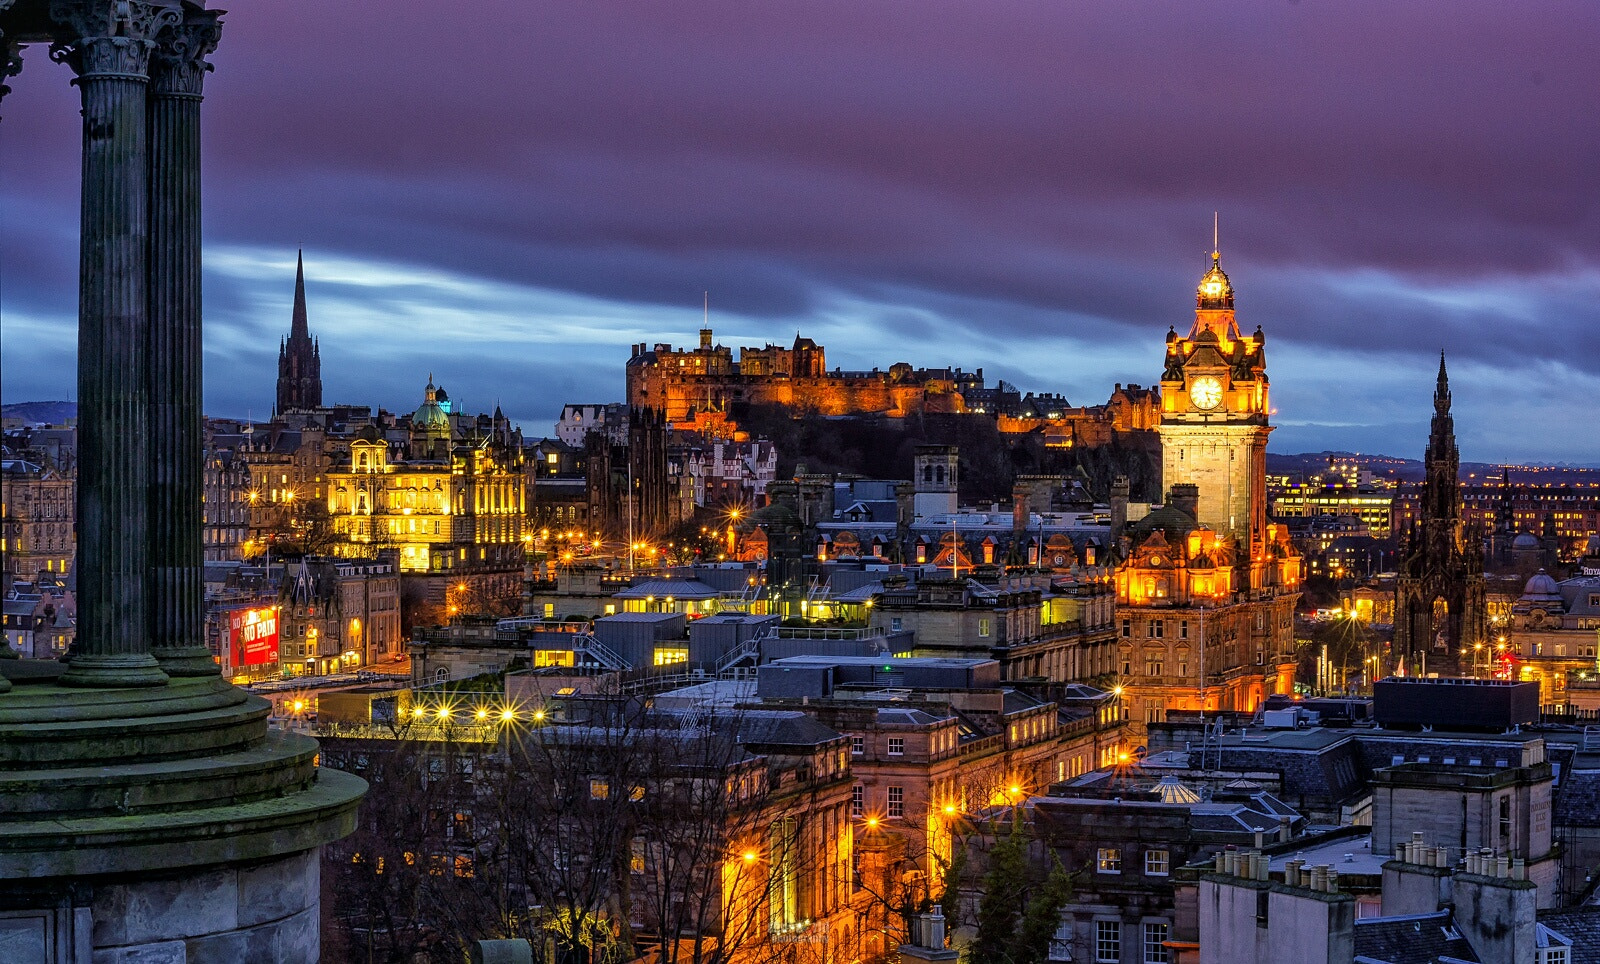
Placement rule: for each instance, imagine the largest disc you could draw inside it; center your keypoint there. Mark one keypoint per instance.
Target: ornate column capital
(179, 67)
(110, 38)
(10, 61)
(10, 53)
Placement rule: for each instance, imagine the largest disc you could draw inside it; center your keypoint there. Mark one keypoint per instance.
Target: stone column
(108, 44)
(176, 597)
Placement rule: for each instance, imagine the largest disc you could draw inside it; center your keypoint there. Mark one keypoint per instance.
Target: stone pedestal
(163, 824)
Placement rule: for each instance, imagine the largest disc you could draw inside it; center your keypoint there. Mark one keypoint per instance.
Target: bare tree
(597, 831)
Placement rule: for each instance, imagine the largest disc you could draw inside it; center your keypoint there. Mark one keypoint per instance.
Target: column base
(108, 672)
(186, 661)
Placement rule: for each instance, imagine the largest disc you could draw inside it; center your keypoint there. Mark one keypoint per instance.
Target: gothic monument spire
(299, 358)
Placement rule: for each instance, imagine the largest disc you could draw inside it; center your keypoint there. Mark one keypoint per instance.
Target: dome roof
(1525, 541)
(1215, 291)
(1172, 790)
(1541, 586)
(430, 417)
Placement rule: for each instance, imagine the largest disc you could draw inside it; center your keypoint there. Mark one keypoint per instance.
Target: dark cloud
(976, 182)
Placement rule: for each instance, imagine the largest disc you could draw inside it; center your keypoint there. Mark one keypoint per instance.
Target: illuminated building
(1373, 508)
(37, 514)
(934, 744)
(1207, 589)
(338, 615)
(226, 487)
(450, 500)
(1553, 636)
(1440, 614)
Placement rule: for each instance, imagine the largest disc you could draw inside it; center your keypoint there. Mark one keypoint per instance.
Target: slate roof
(1577, 802)
(1422, 939)
(860, 594)
(1014, 701)
(782, 728)
(905, 717)
(1581, 926)
(662, 588)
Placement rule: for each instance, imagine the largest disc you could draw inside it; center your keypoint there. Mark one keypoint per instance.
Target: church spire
(299, 358)
(298, 327)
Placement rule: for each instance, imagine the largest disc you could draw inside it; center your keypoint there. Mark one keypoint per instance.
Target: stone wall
(264, 913)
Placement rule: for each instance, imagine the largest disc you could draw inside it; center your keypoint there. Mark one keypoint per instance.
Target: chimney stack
(1185, 497)
(1119, 508)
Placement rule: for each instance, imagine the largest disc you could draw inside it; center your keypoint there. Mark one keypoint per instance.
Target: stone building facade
(37, 518)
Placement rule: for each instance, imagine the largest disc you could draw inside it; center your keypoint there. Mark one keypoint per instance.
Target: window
(668, 655)
(894, 623)
(897, 746)
(1183, 629)
(1108, 861)
(1155, 950)
(858, 745)
(1555, 955)
(857, 800)
(1505, 819)
(599, 789)
(1061, 943)
(1156, 863)
(897, 801)
(983, 627)
(1107, 941)
(1127, 627)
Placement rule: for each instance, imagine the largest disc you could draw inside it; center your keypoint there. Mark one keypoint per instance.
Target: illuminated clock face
(1206, 392)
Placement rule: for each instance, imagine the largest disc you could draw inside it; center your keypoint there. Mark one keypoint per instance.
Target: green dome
(430, 418)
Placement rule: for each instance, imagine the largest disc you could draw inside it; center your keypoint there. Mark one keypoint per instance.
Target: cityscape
(713, 651)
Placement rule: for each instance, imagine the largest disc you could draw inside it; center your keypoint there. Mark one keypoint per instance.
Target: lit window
(1108, 861)
(983, 627)
(599, 789)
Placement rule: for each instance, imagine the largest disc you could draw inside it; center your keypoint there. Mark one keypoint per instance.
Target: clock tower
(1214, 407)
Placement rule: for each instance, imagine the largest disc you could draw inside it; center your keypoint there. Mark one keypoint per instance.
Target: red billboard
(253, 636)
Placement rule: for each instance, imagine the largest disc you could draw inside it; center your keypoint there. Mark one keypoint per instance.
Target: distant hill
(50, 413)
(1307, 464)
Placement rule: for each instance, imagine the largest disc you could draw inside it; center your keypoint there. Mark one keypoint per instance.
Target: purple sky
(509, 193)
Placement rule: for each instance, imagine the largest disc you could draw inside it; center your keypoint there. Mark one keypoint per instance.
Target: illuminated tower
(1206, 588)
(1214, 407)
(300, 357)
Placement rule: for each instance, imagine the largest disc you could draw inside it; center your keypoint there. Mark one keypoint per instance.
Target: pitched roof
(1422, 939)
(1581, 926)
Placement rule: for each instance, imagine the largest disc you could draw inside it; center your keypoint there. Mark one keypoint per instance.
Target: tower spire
(299, 359)
(1216, 245)
(298, 327)
(1441, 390)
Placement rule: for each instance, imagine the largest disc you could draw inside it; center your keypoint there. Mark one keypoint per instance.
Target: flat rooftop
(898, 662)
(1347, 855)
